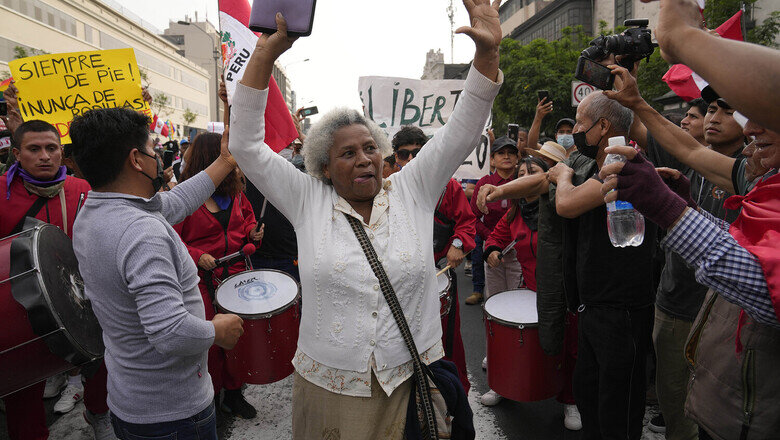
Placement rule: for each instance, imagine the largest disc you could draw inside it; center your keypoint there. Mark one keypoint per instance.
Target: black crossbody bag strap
(422, 388)
(32, 212)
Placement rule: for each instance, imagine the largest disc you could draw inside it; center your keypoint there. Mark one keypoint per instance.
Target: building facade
(56, 26)
(199, 42)
(436, 68)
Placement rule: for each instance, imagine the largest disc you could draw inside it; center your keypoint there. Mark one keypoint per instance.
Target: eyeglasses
(404, 154)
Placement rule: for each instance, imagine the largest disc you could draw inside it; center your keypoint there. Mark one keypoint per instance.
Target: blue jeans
(286, 265)
(201, 426)
(477, 268)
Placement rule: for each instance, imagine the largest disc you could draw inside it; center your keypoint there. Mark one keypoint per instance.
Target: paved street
(508, 420)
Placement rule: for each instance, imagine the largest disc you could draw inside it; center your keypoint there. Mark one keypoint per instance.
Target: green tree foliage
(765, 33)
(161, 104)
(718, 11)
(24, 52)
(189, 116)
(550, 65)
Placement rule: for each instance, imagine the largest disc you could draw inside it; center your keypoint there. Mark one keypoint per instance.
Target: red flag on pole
(238, 43)
(680, 77)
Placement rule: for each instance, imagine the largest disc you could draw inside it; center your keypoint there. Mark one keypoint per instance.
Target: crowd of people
(369, 226)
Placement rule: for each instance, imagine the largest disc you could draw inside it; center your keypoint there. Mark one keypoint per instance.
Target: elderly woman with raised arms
(353, 369)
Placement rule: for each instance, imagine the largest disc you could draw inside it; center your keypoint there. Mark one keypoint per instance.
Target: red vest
(12, 210)
(202, 233)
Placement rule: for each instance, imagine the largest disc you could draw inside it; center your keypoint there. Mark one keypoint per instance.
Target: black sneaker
(657, 424)
(233, 402)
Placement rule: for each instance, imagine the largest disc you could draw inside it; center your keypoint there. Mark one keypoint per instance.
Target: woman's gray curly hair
(316, 147)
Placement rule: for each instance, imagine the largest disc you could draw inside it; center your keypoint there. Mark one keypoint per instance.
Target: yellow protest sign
(58, 87)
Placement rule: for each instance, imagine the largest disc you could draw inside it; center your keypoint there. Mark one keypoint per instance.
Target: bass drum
(46, 322)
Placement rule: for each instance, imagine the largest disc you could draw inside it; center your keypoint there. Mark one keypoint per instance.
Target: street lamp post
(216, 55)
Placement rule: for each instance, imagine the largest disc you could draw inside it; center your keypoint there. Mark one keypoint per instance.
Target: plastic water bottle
(626, 226)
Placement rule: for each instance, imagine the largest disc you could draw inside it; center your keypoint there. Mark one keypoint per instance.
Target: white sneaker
(491, 398)
(101, 425)
(571, 418)
(69, 398)
(54, 385)
(484, 363)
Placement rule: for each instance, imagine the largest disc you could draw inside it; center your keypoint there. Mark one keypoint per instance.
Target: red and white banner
(238, 43)
(158, 126)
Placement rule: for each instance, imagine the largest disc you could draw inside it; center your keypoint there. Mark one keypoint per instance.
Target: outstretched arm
(714, 166)
(751, 90)
(425, 176)
(573, 201)
(526, 186)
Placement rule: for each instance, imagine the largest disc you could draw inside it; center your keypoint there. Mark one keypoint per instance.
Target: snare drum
(518, 369)
(444, 283)
(269, 303)
(46, 322)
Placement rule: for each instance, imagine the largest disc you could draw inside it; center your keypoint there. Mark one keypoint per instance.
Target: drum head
(443, 282)
(257, 292)
(513, 306)
(55, 297)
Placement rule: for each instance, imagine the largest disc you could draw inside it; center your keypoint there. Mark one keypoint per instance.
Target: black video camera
(635, 43)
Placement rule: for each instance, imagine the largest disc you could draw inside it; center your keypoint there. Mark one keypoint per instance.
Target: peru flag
(238, 43)
(158, 126)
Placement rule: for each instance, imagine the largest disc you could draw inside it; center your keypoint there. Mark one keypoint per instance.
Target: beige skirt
(319, 414)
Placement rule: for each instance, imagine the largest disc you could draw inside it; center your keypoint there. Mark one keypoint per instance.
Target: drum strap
(423, 390)
(32, 212)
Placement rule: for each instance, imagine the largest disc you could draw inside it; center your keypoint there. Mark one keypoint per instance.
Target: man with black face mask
(611, 287)
(141, 280)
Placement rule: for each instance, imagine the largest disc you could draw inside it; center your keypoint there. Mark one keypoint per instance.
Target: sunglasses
(404, 154)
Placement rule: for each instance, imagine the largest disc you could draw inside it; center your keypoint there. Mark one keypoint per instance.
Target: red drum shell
(518, 368)
(265, 351)
(39, 283)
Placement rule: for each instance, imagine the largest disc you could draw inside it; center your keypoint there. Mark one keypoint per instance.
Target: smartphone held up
(595, 74)
(299, 15)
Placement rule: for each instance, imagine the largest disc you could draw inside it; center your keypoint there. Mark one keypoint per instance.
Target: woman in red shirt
(221, 226)
(521, 223)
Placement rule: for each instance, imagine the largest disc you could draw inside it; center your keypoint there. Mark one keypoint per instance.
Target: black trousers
(609, 378)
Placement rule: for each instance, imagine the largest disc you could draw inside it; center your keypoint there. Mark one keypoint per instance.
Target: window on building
(88, 33)
(624, 9)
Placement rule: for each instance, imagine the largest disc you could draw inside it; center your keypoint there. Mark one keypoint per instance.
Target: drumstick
(444, 270)
(262, 210)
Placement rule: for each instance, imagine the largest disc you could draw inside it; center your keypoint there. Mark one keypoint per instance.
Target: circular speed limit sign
(579, 90)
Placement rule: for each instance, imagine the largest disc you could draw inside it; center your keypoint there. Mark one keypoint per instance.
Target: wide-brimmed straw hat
(550, 150)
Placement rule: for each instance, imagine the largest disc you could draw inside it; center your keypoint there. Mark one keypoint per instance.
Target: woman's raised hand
(276, 44)
(267, 50)
(485, 30)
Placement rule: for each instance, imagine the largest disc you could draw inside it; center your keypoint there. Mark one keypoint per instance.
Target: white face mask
(565, 140)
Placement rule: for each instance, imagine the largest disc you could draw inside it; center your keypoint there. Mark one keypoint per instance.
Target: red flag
(238, 42)
(757, 229)
(158, 126)
(679, 77)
